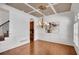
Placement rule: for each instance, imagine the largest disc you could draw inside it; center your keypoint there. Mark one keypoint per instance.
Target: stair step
(6, 35)
(6, 39)
(2, 38)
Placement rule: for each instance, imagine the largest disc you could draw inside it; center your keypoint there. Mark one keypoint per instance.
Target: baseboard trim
(59, 42)
(14, 46)
(22, 43)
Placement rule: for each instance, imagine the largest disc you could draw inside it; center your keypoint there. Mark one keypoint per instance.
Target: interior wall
(18, 28)
(3, 19)
(75, 9)
(64, 35)
(20, 25)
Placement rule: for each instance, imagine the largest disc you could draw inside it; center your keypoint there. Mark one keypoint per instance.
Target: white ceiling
(33, 8)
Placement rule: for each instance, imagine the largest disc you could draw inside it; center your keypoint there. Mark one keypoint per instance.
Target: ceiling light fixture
(42, 7)
(47, 26)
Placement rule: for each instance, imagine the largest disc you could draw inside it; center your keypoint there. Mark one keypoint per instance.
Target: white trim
(65, 43)
(76, 21)
(76, 49)
(34, 9)
(31, 11)
(22, 43)
(39, 9)
(7, 45)
(53, 9)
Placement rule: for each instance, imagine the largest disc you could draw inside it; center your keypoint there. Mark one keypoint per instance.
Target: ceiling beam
(52, 7)
(52, 4)
(34, 9)
(31, 11)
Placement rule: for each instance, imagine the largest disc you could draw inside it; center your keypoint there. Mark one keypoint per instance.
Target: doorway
(31, 36)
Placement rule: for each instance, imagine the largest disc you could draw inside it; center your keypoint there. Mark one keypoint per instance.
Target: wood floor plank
(42, 48)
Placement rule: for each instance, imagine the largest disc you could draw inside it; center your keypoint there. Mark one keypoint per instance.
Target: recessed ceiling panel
(42, 7)
(36, 5)
(62, 7)
(48, 11)
(21, 6)
(36, 14)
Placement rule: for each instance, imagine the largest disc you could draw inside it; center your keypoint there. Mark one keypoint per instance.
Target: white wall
(4, 16)
(5, 28)
(18, 28)
(64, 35)
(19, 25)
(75, 9)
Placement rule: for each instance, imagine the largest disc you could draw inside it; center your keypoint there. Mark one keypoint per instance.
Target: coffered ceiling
(33, 8)
(62, 7)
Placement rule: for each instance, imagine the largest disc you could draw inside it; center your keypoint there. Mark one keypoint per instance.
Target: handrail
(4, 23)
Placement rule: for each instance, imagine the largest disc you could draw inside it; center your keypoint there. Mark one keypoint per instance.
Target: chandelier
(47, 26)
(42, 7)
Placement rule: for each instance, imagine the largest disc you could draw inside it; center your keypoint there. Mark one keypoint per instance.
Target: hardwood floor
(42, 48)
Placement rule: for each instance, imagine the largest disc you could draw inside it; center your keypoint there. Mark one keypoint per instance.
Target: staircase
(2, 37)
(4, 31)
(4, 42)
